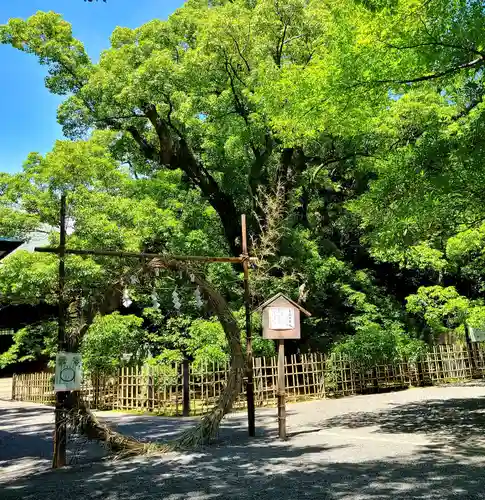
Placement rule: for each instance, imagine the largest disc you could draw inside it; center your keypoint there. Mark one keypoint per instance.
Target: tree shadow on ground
(456, 422)
(26, 440)
(150, 428)
(264, 469)
(19, 437)
(10, 413)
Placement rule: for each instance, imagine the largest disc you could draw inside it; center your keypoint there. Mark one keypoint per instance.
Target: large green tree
(349, 131)
(249, 101)
(424, 211)
(107, 208)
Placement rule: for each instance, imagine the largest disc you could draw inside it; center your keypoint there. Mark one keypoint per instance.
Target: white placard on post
(281, 318)
(68, 372)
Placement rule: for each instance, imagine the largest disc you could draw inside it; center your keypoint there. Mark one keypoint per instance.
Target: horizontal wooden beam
(143, 255)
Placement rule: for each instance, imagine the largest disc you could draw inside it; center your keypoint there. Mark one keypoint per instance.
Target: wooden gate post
(420, 372)
(281, 391)
(60, 427)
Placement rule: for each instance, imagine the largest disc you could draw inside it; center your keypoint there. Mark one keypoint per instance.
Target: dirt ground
(420, 443)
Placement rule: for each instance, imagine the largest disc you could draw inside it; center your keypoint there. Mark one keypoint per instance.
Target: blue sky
(29, 110)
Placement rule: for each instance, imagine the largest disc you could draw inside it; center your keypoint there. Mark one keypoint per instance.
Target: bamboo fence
(308, 376)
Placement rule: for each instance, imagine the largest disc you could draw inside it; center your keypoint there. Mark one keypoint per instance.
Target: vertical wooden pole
(281, 390)
(469, 347)
(249, 346)
(185, 388)
(96, 389)
(60, 434)
(420, 372)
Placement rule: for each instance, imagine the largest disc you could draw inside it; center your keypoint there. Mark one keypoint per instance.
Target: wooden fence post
(258, 381)
(420, 372)
(374, 378)
(96, 390)
(150, 380)
(185, 388)
(470, 350)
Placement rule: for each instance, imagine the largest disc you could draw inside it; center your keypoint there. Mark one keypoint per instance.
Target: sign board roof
(282, 296)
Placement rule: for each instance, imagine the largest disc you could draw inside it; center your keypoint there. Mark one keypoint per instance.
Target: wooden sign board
(281, 318)
(68, 372)
(281, 321)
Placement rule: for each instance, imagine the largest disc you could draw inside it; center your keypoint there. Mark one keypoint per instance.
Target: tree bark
(174, 152)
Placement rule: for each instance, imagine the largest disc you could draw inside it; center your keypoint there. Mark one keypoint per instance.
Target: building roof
(282, 295)
(37, 238)
(8, 245)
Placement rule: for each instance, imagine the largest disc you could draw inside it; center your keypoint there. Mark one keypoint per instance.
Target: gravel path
(420, 443)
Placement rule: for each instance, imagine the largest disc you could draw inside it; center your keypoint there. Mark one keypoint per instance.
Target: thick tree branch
(257, 175)
(167, 155)
(238, 105)
(169, 117)
(236, 44)
(476, 62)
(175, 153)
(279, 48)
(149, 151)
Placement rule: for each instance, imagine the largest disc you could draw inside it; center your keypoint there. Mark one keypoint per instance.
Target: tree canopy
(349, 132)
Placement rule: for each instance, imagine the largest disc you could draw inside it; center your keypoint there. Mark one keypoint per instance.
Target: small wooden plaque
(281, 318)
(281, 321)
